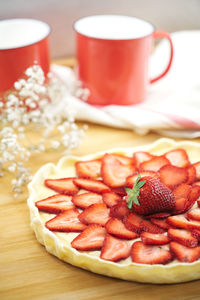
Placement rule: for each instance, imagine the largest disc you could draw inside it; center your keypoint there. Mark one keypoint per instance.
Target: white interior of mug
(114, 27)
(15, 33)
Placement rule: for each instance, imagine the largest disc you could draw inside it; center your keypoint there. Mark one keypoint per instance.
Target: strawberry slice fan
(133, 214)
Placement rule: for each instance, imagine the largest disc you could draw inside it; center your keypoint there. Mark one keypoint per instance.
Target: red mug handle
(158, 35)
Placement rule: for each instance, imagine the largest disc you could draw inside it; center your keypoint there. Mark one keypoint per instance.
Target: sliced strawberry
(115, 170)
(92, 185)
(180, 221)
(194, 194)
(183, 253)
(197, 168)
(90, 239)
(196, 183)
(114, 249)
(111, 199)
(120, 210)
(154, 238)
(141, 156)
(119, 191)
(154, 164)
(96, 213)
(161, 215)
(86, 199)
(171, 176)
(147, 226)
(125, 160)
(66, 222)
(194, 214)
(162, 223)
(182, 191)
(132, 222)
(178, 158)
(183, 237)
(196, 234)
(180, 206)
(146, 254)
(138, 224)
(116, 227)
(191, 174)
(192, 197)
(88, 169)
(130, 180)
(55, 204)
(63, 185)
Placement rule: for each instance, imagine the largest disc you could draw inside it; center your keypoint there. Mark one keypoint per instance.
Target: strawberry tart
(130, 213)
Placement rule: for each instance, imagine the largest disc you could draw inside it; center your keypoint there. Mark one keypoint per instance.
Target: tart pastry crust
(59, 244)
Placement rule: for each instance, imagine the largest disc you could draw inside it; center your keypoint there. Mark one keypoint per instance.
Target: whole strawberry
(149, 196)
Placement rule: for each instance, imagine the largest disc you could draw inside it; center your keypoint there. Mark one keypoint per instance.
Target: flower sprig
(32, 102)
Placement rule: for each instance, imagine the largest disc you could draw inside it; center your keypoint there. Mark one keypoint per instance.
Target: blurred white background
(170, 15)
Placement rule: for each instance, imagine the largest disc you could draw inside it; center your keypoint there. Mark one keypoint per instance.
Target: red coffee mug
(23, 42)
(113, 54)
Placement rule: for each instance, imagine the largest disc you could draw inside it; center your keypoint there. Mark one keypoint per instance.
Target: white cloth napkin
(173, 104)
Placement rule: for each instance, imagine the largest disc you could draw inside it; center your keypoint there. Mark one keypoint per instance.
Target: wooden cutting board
(27, 271)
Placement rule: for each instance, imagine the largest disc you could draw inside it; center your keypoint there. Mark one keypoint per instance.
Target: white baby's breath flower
(55, 144)
(33, 102)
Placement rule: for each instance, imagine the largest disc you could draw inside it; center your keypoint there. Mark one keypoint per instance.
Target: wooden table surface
(27, 271)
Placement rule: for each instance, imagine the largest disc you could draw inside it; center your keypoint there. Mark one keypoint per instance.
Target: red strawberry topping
(183, 253)
(162, 223)
(156, 206)
(111, 199)
(183, 237)
(140, 156)
(66, 222)
(116, 227)
(55, 204)
(178, 158)
(88, 169)
(90, 239)
(191, 174)
(119, 191)
(196, 234)
(161, 215)
(86, 199)
(154, 239)
(62, 186)
(197, 168)
(180, 221)
(180, 206)
(147, 254)
(115, 169)
(154, 164)
(171, 176)
(114, 249)
(138, 224)
(96, 213)
(194, 214)
(150, 196)
(130, 180)
(120, 210)
(92, 185)
(194, 194)
(182, 191)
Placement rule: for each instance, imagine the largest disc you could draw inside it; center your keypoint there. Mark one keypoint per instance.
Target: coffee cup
(113, 53)
(23, 43)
